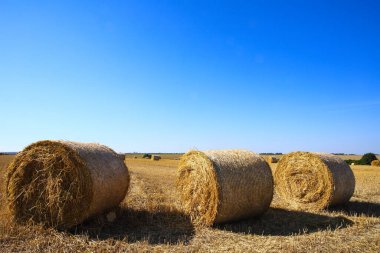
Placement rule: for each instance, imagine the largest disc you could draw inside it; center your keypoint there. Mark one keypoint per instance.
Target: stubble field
(150, 219)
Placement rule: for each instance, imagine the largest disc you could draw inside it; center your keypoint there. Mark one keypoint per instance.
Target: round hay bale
(222, 186)
(375, 163)
(271, 159)
(313, 181)
(156, 157)
(62, 183)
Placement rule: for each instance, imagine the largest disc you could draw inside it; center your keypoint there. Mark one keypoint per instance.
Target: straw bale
(224, 185)
(313, 181)
(271, 159)
(62, 183)
(156, 157)
(375, 163)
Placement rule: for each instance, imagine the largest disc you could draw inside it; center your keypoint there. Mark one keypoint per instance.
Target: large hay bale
(313, 181)
(225, 185)
(61, 183)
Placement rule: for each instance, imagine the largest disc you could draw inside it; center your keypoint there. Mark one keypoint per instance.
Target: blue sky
(168, 76)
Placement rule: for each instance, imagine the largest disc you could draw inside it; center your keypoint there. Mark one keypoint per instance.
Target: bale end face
(313, 181)
(48, 183)
(198, 187)
(53, 184)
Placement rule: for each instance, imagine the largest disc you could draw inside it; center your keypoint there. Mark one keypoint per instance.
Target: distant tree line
(8, 153)
(163, 153)
(147, 156)
(365, 160)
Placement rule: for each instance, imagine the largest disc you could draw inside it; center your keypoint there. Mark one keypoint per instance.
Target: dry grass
(150, 219)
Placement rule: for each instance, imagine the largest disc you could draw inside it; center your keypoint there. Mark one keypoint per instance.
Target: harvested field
(151, 219)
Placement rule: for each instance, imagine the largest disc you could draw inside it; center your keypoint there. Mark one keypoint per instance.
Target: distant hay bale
(375, 163)
(225, 185)
(352, 164)
(61, 183)
(271, 159)
(313, 181)
(156, 157)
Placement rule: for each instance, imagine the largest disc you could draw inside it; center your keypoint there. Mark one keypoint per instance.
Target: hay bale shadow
(281, 222)
(159, 227)
(359, 208)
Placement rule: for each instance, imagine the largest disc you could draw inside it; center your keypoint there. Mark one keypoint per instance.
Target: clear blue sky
(168, 76)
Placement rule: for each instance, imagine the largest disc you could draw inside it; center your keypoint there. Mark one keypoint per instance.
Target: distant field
(172, 156)
(177, 156)
(5, 159)
(150, 219)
